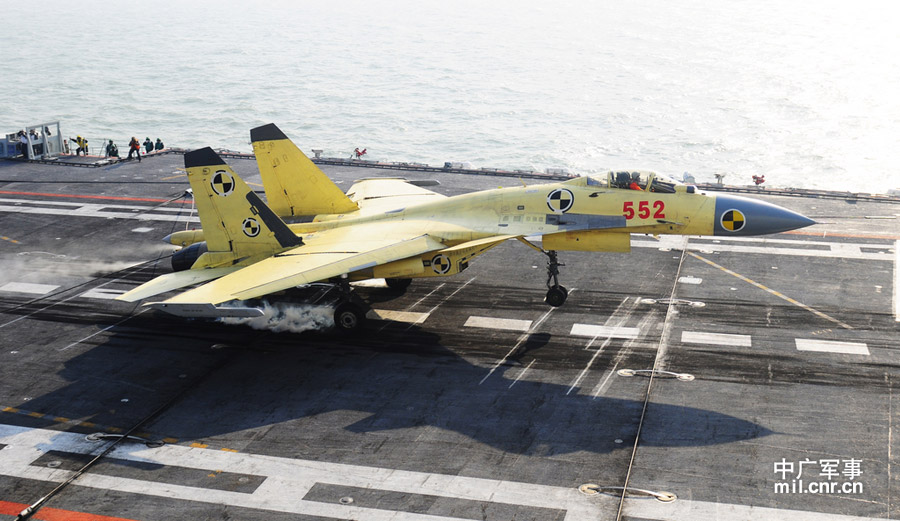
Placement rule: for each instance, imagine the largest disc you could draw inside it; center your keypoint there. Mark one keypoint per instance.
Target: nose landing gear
(556, 294)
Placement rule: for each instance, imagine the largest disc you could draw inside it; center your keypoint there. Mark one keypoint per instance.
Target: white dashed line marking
(592, 330)
(828, 346)
(102, 293)
(699, 337)
(28, 287)
(410, 317)
(507, 324)
(896, 300)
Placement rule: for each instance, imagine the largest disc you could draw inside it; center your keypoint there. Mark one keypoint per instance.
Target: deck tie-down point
(684, 377)
(590, 489)
(98, 436)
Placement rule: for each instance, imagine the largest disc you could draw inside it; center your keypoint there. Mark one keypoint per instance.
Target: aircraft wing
(384, 194)
(326, 254)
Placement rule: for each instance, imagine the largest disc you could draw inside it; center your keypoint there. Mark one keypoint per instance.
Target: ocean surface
(805, 93)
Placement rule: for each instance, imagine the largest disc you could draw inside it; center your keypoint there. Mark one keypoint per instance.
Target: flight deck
(695, 378)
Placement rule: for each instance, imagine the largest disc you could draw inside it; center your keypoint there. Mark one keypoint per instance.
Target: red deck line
(54, 514)
(104, 197)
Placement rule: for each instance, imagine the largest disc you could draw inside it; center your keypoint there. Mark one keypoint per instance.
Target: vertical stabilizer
(233, 217)
(294, 185)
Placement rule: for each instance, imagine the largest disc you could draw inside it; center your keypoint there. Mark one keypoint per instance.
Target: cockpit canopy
(640, 180)
(635, 180)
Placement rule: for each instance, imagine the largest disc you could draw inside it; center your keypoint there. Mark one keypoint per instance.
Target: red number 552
(643, 209)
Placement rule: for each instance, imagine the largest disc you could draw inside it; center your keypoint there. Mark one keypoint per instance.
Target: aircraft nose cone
(742, 216)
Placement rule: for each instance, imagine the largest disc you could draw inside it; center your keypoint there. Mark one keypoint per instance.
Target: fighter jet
(394, 229)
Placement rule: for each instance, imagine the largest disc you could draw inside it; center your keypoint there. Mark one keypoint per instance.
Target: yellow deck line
(772, 291)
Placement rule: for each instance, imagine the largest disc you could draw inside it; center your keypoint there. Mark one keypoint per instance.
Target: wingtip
(268, 132)
(202, 157)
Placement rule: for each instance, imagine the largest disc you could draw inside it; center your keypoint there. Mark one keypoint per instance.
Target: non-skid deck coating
(468, 398)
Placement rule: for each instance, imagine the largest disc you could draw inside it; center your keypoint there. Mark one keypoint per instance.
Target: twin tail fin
(233, 217)
(294, 185)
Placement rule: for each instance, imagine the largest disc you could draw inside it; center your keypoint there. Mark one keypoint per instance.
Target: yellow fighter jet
(393, 229)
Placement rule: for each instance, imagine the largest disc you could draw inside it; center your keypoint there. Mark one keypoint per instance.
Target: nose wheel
(556, 294)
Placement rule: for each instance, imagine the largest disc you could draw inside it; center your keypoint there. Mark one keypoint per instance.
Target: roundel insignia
(440, 264)
(560, 200)
(733, 220)
(222, 183)
(251, 227)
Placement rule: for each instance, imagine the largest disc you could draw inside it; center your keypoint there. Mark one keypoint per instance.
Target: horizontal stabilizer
(325, 256)
(205, 310)
(424, 182)
(382, 194)
(170, 281)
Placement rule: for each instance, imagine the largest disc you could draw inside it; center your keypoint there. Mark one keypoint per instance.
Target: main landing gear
(350, 310)
(349, 313)
(556, 294)
(349, 317)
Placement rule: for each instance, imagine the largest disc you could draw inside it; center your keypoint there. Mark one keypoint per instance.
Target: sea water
(805, 93)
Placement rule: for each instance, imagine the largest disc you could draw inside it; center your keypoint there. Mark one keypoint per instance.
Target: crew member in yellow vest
(82, 146)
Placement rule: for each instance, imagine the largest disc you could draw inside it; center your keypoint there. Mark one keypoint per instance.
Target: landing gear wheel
(556, 296)
(349, 318)
(398, 284)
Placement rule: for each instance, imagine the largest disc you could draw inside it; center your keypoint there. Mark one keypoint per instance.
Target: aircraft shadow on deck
(336, 389)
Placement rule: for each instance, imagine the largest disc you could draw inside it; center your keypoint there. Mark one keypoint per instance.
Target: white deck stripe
(828, 346)
(28, 287)
(841, 250)
(688, 510)
(286, 480)
(105, 211)
(102, 293)
(699, 337)
(896, 300)
(410, 317)
(508, 324)
(593, 330)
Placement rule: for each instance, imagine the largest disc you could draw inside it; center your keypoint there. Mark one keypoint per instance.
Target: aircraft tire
(556, 296)
(349, 318)
(398, 284)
